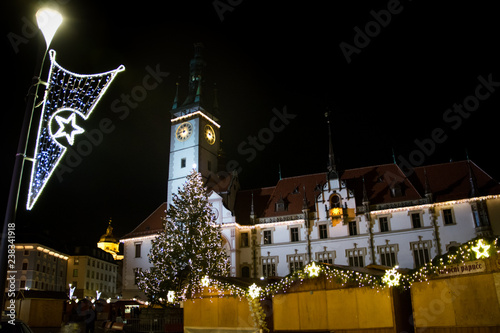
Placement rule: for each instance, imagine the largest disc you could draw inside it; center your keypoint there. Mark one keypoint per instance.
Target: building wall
(89, 274)
(135, 251)
(40, 268)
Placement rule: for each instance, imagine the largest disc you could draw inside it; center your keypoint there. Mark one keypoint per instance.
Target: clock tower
(194, 134)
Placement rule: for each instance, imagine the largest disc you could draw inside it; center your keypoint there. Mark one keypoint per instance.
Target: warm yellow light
(336, 211)
(48, 21)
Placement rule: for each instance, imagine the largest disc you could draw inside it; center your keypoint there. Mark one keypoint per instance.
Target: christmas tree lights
(68, 98)
(188, 250)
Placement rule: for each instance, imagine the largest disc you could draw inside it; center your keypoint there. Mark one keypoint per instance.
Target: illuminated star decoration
(205, 282)
(171, 296)
(69, 93)
(62, 128)
(313, 270)
(254, 291)
(391, 277)
(481, 249)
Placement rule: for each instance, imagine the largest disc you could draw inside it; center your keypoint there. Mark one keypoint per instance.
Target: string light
(68, 94)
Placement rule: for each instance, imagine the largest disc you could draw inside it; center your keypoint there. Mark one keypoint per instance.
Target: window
(138, 250)
(323, 231)
(26, 252)
(136, 275)
(209, 165)
(244, 239)
(326, 257)
(25, 266)
(183, 162)
(22, 284)
(388, 255)
(448, 217)
(267, 237)
(75, 272)
(77, 261)
(269, 266)
(384, 224)
(421, 252)
(356, 256)
(294, 234)
(295, 262)
(353, 229)
(416, 220)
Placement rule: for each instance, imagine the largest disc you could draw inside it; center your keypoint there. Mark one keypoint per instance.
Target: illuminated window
(75, 272)
(356, 256)
(421, 252)
(269, 266)
(267, 237)
(388, 255)
(327, 257)
(295, 262)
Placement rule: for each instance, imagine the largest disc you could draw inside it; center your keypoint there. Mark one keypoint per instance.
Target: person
(87, 312)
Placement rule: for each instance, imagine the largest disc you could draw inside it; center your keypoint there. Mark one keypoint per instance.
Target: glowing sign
(69, 99)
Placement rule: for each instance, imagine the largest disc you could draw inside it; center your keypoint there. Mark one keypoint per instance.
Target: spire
(198, 91)
(332, 168)
(196, 67)
(428, 193)
(304, 200)
(176, 99)
(252, 212)
(366, 201)
(474, 190)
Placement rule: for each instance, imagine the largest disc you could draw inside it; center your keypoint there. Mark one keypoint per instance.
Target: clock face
(184, 131)
(209, 134)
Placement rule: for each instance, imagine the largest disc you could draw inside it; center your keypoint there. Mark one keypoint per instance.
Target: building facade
(375, 215)
(92, 270)
(39, 267)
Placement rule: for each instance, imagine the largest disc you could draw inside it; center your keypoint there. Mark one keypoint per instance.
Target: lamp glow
(48, 21)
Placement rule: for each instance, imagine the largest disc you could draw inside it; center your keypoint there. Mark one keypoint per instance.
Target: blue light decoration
(69, 98)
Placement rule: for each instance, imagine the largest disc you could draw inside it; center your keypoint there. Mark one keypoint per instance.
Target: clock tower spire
(194, 134)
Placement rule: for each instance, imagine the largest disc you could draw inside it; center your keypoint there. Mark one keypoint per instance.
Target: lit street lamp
(48, 21)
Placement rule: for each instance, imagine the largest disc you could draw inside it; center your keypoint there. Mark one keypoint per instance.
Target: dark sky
(408, 64)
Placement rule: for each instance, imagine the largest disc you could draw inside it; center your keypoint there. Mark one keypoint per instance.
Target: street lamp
(48, 21)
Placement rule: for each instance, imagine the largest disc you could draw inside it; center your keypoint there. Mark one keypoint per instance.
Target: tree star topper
(67, 95)
(205, 282)
(313, 270)
(481, 249)
(391, 277)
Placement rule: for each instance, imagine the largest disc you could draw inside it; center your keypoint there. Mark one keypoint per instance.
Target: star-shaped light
(481, 249)
(254, 291)
(171, 296)
(391, 277)
(205, 281)
(62, 128)
(313, 270)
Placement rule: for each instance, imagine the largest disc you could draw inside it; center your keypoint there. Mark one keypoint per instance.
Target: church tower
(194, 134)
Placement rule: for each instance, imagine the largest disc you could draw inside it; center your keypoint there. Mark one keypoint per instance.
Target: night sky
(418, 78)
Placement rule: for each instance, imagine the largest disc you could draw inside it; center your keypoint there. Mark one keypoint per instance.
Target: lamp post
(48, 21)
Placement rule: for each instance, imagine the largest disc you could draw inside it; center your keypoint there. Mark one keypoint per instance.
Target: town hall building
(375, 215)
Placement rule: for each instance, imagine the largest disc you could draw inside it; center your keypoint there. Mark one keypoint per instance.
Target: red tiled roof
(451, 181)
(151, 225)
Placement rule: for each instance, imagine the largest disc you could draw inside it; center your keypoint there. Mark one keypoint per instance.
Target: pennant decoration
(69, 100)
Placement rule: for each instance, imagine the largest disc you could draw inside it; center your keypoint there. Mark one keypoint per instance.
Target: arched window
(335, 201)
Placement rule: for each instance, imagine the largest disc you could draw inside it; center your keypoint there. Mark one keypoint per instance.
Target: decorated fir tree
(189, 247)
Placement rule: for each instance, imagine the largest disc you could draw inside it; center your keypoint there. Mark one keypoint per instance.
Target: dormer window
(280, 205)
(396, 190)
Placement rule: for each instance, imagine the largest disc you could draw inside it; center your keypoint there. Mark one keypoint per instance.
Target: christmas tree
(189, 247)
